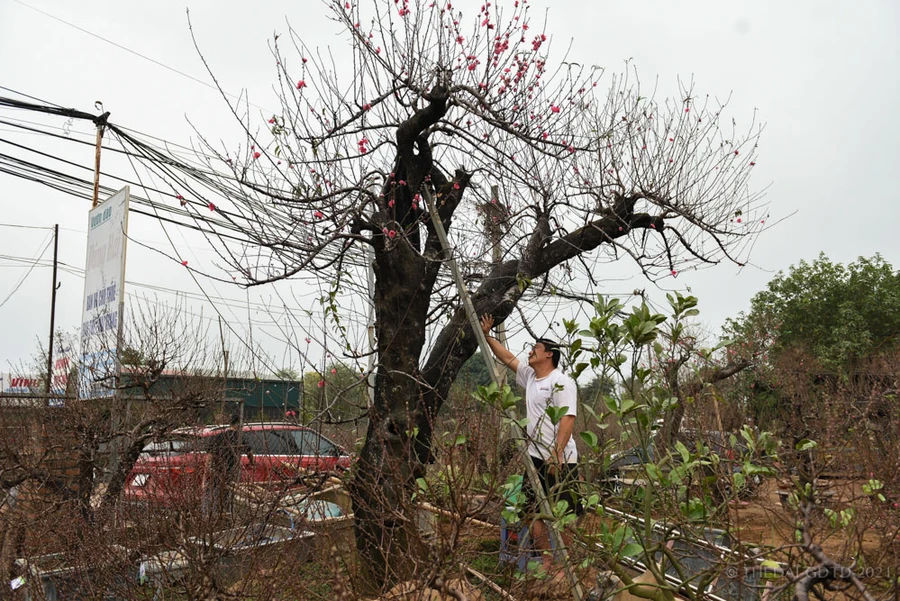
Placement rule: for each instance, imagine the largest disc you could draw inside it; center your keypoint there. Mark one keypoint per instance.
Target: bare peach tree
(65, 467)
(63, 448)
(420, 105)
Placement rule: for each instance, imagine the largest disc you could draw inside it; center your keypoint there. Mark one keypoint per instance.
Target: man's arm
(564, 396)
(500, 352)
(563, 434)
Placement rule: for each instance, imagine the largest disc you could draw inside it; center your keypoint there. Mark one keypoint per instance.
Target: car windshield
(168, 448)
(311, 443)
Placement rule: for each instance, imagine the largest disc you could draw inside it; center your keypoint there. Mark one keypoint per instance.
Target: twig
(493, 586)
(450, 514)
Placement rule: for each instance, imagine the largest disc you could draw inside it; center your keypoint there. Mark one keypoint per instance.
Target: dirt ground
(872, 539)
(764, 522)
(767, 519)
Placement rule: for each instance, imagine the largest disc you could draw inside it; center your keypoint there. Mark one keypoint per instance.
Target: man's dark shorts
(561, 486)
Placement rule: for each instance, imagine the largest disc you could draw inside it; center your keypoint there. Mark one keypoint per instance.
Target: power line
(82, 188)
(117, 45)
(135, 53)
(26, 227)
(179, 175)
(30, 97)
(175, 173)
(21, 124)
(27, 273)
(215, 299)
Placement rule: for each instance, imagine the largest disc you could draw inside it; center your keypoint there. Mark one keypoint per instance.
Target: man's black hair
(551, 347)
(235, 420)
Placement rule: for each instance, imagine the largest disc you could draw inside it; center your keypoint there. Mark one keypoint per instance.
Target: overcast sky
(822, 75)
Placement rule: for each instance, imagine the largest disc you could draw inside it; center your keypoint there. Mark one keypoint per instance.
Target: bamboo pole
(530, 470)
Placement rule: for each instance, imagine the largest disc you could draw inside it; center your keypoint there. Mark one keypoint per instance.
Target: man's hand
(500, 352)
(487, 322)
(558, 450)
(553, 463)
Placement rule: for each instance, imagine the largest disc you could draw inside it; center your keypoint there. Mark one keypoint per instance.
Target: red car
(175, 469)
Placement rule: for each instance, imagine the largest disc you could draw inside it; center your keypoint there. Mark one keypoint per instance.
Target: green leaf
(806, 445)
(556, 413)
(579, 367)
(590, 439)
(683, 451)
(618, 536)
(611, 404)
(631, 550)
(460, 439)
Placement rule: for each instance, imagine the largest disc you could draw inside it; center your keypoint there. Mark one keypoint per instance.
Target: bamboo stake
(530, 470)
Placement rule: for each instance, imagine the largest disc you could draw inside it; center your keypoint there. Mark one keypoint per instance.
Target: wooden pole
(222, 411)
(530, 470)
(718, 415)
(101, 127)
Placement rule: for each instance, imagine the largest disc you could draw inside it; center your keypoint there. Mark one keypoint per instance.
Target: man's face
(539, 354)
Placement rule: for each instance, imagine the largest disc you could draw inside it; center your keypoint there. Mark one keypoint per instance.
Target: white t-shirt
(557, 390)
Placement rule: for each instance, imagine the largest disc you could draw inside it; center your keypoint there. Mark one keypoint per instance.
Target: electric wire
(134, 52)
(18, 285)
(200, 183)
(26, 227)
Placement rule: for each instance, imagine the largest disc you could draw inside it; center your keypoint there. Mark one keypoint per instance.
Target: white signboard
(16, 384)
(31, 387)
(104, 288)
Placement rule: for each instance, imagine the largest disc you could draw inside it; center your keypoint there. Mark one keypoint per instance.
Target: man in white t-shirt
(551, 447)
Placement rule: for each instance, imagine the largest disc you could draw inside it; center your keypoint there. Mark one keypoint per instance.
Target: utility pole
(101, 127)
(222, 416)
(52, 312)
